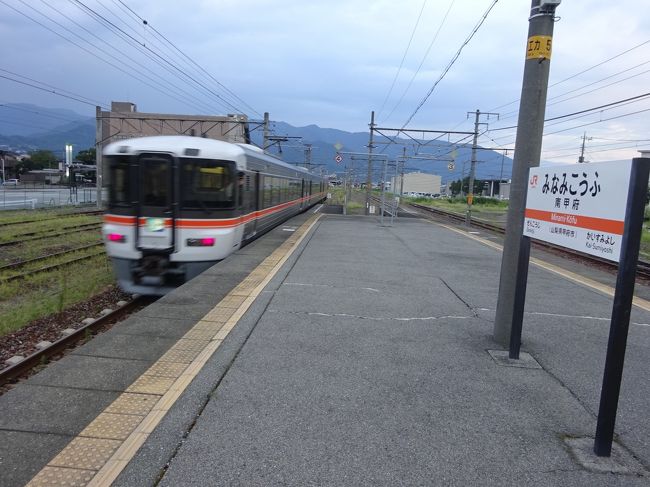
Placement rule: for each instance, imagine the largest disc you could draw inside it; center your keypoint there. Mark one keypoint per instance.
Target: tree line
(46, 159)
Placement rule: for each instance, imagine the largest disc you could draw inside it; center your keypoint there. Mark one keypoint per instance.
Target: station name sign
(579, 206)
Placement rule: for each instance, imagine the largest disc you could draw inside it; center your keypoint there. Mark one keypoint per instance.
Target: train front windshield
(207, 184)
(204, 184)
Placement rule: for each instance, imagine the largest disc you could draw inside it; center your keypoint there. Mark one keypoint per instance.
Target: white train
(177, 205)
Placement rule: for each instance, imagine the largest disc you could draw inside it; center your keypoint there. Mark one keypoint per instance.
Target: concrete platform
(363, 361)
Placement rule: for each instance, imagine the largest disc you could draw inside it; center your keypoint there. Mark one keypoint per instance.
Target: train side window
(266, 196)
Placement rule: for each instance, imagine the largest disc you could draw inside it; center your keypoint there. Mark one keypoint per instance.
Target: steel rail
(20, 263)
(51, 267)
(37, 358)
(50, 235)
(64, 215)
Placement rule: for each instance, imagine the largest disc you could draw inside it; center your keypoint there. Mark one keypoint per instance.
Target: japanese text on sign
(579, 207)
(539, 47)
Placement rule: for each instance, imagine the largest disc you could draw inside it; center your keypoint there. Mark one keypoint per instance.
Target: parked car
(10, 182)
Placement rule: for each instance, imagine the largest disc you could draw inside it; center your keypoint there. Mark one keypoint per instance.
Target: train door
(251, 203)
(302, 195)
(156, 208)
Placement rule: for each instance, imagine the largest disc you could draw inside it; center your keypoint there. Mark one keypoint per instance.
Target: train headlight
(200, 242)
(116, 237)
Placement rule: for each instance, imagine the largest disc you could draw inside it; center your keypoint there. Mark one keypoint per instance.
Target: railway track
(63, 215)
(48, 234)
(21, 263)
(39, 357)
(643, 268)
(51, 267)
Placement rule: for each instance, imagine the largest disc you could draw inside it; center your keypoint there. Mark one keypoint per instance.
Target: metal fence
(38, 195)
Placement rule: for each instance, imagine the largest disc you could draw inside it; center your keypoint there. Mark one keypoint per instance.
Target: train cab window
(207, 184)
(155, 182)
(119, 188)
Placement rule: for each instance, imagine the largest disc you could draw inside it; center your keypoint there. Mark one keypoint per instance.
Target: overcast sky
(331, 62)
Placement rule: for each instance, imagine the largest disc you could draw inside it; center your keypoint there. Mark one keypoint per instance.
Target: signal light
(200, 242)
(116, 237)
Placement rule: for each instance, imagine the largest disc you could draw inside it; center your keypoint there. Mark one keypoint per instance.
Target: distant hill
(30, 127)
(491, 164)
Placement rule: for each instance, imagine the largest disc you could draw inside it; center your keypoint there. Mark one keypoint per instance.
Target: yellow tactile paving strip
(102, 450)
(571, 276)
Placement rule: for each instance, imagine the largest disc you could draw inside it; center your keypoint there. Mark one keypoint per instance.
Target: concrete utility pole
(265, 143)
(472, 169)
(582, 150)
(370, 148)
(99, 161)
(2, 157)
(528, 147)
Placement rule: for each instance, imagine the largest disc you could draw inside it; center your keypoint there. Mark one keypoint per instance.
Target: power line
(618, 102)
(514, 113)
(100, 18)
(166, 91)
(49, 115)
(600, 121)
(226, 89)
(426, 55)
(399, 70)
(582, 72)
(453, 60)
(49, 90)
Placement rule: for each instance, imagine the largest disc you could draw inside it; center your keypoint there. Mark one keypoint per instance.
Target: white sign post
(597, 209)
(581, 207)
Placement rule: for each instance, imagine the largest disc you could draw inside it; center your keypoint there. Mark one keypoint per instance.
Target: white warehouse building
(417, 182)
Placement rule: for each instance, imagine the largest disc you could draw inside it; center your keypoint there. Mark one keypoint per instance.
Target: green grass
(40, 295)
(37, 248)
(53, 225)
(18, 216)
(46, 293)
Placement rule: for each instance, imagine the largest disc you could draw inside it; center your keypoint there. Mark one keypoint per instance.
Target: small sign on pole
(338, 158)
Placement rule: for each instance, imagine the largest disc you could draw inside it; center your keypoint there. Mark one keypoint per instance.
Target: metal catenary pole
(623, 296)
(265, 142)
(472, 170)
(383, 190)
(528, 145)
(370, 148)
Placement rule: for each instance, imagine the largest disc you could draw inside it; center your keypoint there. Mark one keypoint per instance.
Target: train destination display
(579, 206)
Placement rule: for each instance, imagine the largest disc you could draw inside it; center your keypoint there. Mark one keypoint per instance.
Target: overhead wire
(193, 62)
(453, 60)
(119, 68)
(178, 95)
(50, 89)
(426, 55)
(401, 64)
(10, 106)
(125, 35)
(587, 110)
(581, 72)
(512, 114)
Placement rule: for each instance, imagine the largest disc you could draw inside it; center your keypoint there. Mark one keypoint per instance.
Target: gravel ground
(23, 341)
